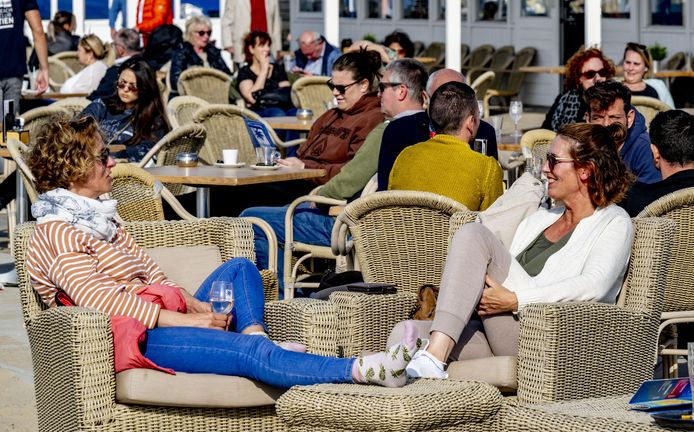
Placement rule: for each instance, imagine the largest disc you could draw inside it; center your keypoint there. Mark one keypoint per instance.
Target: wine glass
(515, 111)
(480, 107)
(222, 297)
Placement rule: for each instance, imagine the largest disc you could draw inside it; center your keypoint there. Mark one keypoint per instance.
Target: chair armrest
(291, 143)
(72, 351)
(580, 350)
(308, 321)
(365, 320)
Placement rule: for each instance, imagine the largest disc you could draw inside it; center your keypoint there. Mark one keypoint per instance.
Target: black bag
(331, 282)
(277, 98)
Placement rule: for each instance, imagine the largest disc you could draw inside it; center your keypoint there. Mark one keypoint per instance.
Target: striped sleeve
(66, 258)
(154, 273)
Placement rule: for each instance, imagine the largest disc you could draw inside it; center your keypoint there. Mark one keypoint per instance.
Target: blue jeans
(199, 350)
(311, 226)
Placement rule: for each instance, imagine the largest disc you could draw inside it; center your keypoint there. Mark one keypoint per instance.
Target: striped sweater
(94, 273)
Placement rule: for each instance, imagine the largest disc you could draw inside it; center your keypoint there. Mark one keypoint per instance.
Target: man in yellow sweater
(446, 164)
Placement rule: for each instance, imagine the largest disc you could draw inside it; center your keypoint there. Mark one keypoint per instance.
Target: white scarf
(93, 216)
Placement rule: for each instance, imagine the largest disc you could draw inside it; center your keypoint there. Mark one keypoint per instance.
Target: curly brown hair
(594, 147)
(575, 63)
(64, 153)
(253, 39)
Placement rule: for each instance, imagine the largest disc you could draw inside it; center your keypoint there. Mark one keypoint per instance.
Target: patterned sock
(387, 368)
(289, 346)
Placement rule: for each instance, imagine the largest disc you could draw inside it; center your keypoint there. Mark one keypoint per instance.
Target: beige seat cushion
(497, 371)
(151, 387)
(188, 266)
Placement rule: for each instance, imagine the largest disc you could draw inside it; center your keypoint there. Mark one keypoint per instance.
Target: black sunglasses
(340, 88)
(103, 156)
(382, 85)
(132, 88)
(202, 33)
(590, 74)
(553, 160)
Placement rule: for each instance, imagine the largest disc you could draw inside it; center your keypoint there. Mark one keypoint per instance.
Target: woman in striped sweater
(79, 253)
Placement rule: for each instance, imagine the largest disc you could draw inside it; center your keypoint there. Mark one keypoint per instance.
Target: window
(92, 9)
(666, 12)
(615, 9)
(463, 10)
(311, 6)
(348, 8)
(380, 9)
(534, 8)
(492, 10)
(415, 9)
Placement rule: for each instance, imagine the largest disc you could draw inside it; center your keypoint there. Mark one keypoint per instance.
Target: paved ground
(17, 403)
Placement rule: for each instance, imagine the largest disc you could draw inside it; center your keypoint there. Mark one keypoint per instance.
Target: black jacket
(184, 56)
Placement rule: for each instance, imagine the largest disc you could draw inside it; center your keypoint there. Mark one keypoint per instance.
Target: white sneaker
(425, 365)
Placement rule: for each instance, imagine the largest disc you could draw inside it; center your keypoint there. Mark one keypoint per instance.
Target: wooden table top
(425, 59)
(219, 176)
(290, 123)
(52, 95)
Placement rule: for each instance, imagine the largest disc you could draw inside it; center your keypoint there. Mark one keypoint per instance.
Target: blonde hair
(195, 21)
(92, 43)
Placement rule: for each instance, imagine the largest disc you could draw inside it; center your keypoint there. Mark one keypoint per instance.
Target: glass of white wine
(515, 111)
(222, 297)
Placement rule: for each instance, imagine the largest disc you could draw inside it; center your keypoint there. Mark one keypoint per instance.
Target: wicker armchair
(508, 83)
(208, 84)
(649, 107)
(399, 237)
(312, 93)
(182, 108)
(72, 350)
(501, 59)
(535, 143)
(478, 58)
(481, 85)
(679, 298)
(70, 59)
(74, 105)
(58, 73)
(18, 150)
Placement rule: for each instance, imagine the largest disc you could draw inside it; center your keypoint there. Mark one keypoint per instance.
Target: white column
(131, 5)
(593, 30)
(54, 8)
(78, 11)
(453, 23)
(331, 29)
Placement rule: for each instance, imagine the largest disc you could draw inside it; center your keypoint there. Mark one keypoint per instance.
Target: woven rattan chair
(675, 62)
(18, 151)
(481, 85)
(74, 105)
(501, 60)
(208, 84)
(312, 93)
(535, 143)
(182, 108)
(649, 107)
(478, 58)
(437, 51)
(679, 297)
(58, 73)
(72, 348)
(226, 129)
(70, 59)
(508, 83)
(399, 237)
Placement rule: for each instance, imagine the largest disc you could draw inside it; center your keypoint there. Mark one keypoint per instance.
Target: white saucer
(236, 165)
(265, 167)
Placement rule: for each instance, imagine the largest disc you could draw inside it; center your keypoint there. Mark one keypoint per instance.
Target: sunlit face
(399, 50)
(201, 36)
(389, 95)
(634, 67)
(353, 92)
(563, 180)
(99, 181)
(260, 51)
(84, 56)
(127, 88)
(592, 65)
(310, 47)
(613, 114)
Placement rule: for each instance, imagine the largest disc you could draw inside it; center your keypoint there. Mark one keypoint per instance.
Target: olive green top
(534, 257)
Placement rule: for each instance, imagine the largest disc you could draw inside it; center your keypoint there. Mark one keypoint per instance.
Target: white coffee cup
(231, 156)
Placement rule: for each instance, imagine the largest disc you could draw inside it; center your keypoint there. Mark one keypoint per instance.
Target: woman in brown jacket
(337, 135)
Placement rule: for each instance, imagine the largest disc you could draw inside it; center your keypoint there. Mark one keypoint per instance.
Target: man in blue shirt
(315, 55)
(610, 102)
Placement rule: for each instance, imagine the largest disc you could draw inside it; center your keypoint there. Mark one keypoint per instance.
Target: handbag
(276, 98)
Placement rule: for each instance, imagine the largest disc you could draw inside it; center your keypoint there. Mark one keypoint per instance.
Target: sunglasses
(383, 85)
(590, 74)
(202, 33)
(553, 160)
(103, 156)
(339, 87)
(122, 85)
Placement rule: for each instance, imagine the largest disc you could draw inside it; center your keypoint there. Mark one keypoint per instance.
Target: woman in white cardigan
(90, 52)
(576, 252)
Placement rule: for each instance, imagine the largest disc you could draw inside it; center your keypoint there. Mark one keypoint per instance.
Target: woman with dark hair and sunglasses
(263, 84)
(134, 114)
(175, 330)
(577, 251)
(585, 68)
(195, 50)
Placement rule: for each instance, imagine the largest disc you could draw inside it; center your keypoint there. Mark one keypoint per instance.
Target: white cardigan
(86, 80)
(590, 267)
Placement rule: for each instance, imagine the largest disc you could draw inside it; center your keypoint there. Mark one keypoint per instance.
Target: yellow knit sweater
(448, 166)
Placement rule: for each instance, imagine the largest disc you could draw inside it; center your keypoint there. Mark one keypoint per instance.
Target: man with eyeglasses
(315, 55)
(127, 44)
(610, 102)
